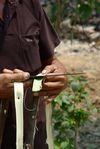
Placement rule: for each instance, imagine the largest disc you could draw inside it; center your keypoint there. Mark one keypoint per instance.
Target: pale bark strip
(49, 126)
(18, 93)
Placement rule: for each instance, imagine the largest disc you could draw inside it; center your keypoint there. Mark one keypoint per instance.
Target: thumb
(49, 69)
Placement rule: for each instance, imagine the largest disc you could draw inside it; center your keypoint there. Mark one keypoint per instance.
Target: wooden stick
(55, 74)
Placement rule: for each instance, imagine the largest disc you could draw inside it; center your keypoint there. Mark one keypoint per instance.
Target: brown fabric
(3, 115)
(28, 40)
(10, 136)
(40, 137)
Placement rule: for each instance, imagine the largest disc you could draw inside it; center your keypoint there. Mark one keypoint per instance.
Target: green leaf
(75, 85)
(97, 7)
(84, 11)
(64, 145)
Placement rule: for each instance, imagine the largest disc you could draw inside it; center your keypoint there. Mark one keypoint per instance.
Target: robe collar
(14, 3)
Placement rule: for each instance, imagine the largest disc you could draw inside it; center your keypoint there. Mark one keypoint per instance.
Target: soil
(81, 56)
(78, 56)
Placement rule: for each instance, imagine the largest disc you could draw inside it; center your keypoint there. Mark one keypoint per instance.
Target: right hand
(7, 79)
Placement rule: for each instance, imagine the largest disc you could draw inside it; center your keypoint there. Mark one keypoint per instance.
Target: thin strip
(18, 94)
(56, 74)
(49, 140)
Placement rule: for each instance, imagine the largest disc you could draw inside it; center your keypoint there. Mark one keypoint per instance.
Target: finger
(24, 75)
(49, 69)
(40, 93)
(53, 85)
(9, 86)
(7, 71)
(53, 92)
(47, 93)
(18, 71)
(18, 77)
(56, 78)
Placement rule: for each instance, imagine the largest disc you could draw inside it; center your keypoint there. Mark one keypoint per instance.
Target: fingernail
(27, 75)
(44, 71)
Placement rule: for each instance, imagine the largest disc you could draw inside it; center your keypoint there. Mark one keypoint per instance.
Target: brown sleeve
(48, 39)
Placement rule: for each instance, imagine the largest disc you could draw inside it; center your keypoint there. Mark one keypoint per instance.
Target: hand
(53, 85)
(7, 78)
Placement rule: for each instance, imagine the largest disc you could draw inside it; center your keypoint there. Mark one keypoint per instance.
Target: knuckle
(6, 77)
(64, 78)
(21, 76)
(15, 70)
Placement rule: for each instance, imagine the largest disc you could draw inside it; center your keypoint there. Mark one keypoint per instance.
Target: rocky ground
(82, 56)
(77, 56)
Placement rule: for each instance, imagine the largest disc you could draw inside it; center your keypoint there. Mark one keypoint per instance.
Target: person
(27, 43)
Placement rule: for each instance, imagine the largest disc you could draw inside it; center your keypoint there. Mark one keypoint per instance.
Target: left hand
(7, 79)
(53, 85)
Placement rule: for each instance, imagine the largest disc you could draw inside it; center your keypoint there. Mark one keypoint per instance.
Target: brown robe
(28, 40)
